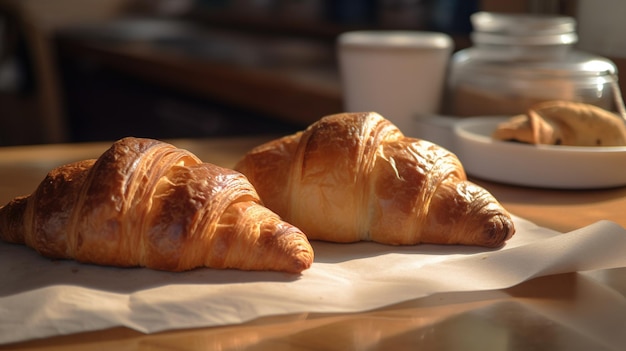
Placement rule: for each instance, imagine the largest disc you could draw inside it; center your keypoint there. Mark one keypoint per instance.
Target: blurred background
(91, 70)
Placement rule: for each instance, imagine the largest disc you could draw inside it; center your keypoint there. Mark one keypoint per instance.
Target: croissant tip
(499, 231)
(302, 261)
(11, 220)
(300, 266)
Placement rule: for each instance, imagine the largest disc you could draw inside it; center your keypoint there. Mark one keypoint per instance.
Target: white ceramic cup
(399, 74)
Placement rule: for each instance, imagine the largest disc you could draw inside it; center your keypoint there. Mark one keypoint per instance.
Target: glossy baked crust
(354, 176)
(148, 203)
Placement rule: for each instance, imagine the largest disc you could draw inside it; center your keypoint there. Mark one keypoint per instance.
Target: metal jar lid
(523, 29)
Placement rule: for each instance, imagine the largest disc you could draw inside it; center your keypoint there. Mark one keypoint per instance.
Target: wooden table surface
(575, 311)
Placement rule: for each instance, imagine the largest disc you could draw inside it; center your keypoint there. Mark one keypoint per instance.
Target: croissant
(564, 123)
(355, 177)
(147, 203)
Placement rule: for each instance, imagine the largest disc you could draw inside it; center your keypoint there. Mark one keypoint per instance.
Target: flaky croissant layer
(355, 176)
(147, 203)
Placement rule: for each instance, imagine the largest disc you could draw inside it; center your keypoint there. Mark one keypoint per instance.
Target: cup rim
(395, 39)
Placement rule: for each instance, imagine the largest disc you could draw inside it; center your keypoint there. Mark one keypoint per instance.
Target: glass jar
(518, 60)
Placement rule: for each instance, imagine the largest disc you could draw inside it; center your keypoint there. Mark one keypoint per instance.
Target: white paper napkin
(41, 297)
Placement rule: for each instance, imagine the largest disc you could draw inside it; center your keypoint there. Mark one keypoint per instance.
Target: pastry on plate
(564, 123)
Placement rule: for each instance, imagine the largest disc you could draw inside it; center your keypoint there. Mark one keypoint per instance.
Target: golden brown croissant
(564, 123)
(355, 176)
(148, 203)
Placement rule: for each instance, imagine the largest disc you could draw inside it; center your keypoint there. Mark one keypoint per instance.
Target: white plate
(545, 166)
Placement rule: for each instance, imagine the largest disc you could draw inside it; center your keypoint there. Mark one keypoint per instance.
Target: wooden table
(559, 312)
